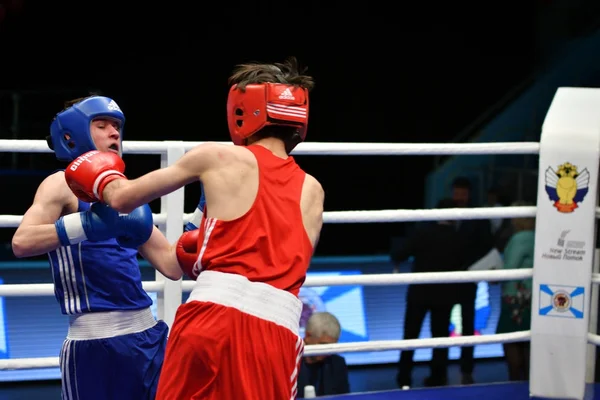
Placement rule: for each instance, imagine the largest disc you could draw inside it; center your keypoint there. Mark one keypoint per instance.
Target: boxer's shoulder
(222, 153)
(312, 187)
(56, 177)
(55, 185)
(54, 191)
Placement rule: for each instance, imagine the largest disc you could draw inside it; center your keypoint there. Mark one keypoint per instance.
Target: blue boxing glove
(135, 228)
(197, 216)
(100, 222)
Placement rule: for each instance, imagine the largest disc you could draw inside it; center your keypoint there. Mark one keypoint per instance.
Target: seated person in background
(515, 312)
(328, 374)
(436, 247)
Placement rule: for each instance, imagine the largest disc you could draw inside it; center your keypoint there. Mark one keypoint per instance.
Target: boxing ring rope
(47, 289)
(377, 216)
(315, 148)
(368, 216)
(172, 218)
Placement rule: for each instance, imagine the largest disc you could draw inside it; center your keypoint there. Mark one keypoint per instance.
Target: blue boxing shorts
(123, 367)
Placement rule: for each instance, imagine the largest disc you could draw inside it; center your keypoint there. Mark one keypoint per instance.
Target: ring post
(171, 205)
(564, 243)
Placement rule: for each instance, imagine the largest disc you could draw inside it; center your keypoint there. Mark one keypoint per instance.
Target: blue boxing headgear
(70, 134)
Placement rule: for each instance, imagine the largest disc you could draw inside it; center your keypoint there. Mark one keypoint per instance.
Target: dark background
(385, 72)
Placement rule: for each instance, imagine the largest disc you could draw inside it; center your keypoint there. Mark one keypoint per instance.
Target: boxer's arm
(318, 210)
(161, 255)
(37, 233)
(312, 205)
(125, 195)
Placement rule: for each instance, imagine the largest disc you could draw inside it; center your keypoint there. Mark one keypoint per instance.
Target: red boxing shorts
(233, 339)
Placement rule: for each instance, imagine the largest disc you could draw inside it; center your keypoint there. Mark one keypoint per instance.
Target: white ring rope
(408, 278)
(325, 349)
(313, 148)
(594, 339)
(413, 344)
(377, 216)
(47, 289)
(28, 363)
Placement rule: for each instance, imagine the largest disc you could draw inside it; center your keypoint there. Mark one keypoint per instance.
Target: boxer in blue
(114, 348)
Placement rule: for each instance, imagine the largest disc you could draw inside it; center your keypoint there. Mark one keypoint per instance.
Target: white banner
(564, 243)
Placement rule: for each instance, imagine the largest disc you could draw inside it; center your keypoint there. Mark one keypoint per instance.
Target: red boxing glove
(89, 173)
(187, 253)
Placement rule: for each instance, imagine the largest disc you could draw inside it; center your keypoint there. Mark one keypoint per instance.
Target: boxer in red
(236, 337)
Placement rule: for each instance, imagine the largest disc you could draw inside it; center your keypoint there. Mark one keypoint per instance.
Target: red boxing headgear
(265, 104)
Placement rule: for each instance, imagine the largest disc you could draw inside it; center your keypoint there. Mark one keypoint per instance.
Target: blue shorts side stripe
(68, 367)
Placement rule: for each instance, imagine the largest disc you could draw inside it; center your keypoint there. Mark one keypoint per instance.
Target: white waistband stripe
(254, 298)
(102, 325)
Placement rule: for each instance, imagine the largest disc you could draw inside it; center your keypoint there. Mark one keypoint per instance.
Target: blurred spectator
(328, 374)
(494, 201)
(436, 247)
(502, 228)
(515, 313)
(478, 233)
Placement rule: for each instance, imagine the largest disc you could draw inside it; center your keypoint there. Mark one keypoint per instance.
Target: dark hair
(461, 182)
(70, 103)
(290, 73)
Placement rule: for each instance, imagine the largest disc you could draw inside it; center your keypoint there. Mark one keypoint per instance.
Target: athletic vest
(97, 276)
(269, 243)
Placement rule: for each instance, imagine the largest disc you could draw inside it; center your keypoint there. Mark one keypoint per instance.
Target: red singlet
(236, 337)
(269, 243)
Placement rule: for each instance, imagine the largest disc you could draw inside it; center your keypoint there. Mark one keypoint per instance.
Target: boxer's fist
(194, 222)
(187, 253)
(100, 222)
(136, 227)
(89, 173)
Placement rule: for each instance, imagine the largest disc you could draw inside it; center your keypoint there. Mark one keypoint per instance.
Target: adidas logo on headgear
(113, 106)
(287, 95)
